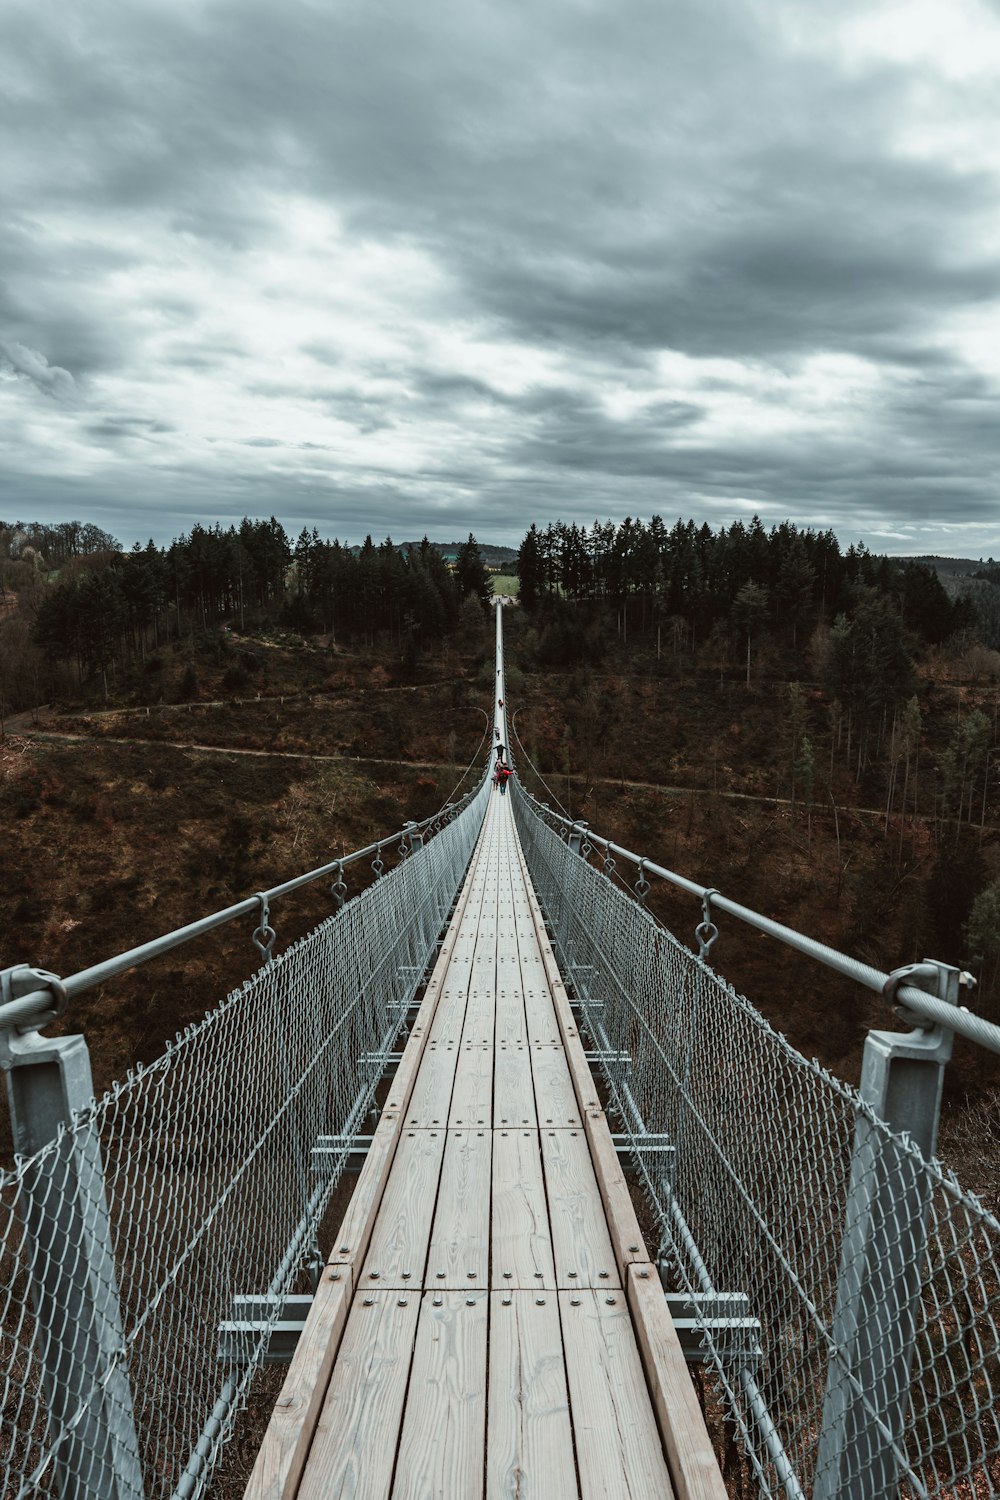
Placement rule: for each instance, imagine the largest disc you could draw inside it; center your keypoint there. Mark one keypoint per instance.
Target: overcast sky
(387, 266)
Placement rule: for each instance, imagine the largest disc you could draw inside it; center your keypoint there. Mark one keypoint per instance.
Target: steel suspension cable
(472, 762)
(541, 778)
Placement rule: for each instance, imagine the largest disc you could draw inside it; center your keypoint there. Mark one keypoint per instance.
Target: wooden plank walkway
(490, 1326)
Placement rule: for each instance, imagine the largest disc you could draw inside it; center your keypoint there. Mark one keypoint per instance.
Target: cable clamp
(910, 974)
(338, 889)
(30, 998)
(263, 938)
(706, 932)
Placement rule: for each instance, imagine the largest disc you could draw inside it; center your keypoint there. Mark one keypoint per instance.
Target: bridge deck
(489, 1322)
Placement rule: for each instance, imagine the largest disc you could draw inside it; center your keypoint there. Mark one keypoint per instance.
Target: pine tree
(529, 570)
(750, 610)
(471, 575)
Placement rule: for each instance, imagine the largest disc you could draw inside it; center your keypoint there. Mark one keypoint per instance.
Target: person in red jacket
(501, 776)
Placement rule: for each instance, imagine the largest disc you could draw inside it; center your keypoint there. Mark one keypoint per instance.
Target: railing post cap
(30, 998)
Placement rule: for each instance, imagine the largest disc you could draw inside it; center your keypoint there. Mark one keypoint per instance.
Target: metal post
(414, 834)
(72, 1279)
(861, 1452)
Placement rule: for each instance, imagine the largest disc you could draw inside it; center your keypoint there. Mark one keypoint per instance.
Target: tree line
(851, 622)
(92, 604)
(784, 576)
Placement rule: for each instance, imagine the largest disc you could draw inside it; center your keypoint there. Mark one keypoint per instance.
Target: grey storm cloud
(468, 267)
(51, 379)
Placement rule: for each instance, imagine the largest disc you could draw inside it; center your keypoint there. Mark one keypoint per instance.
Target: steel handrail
(917, 1005)
(42, 988)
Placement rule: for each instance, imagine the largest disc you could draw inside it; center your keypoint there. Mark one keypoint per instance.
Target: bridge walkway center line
(489, 1323)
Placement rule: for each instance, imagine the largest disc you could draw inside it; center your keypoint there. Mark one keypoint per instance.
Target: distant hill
(946, 567)
(494, 556)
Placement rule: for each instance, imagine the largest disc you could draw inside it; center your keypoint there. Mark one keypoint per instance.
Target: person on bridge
(501, 776)
(500, 753)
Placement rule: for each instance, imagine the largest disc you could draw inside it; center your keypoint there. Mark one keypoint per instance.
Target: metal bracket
(577, 835)
(722, 1317)
(653, 1149)
(939, 980)
(29, 999)
(902, 1073)
(706, 932)
(263, 938)
(351, 1148)
(608, 1057)
(279, 1320)
(382, 1063)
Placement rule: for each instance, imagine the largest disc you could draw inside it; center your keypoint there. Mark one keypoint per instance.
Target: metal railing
(130, 1224)
(874, 1277)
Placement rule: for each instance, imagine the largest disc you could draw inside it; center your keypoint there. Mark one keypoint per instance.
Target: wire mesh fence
(124, 1243)
(874, 1278)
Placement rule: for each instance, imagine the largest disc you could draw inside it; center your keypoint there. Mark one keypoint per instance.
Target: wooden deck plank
(539, 1011)
(397, 1251)
(693, 1467)
(351, 1241)
(623, 1224)
(540, 1017)
(354, 1449)
(472, 1095)
(511, 1024)
(522, 1239)
(550, 983)
(529, 1445)
(405, 1412)
(430, 1100)
(282, 1455)
(450, 1018)
(290, 1432)
(480, 1015)
(479, 1018)
(442, 1447)
(580, 1241)
(459, 1254)
(554, 1093)
(513, 1088)
(617, 1441)
(354, 1233)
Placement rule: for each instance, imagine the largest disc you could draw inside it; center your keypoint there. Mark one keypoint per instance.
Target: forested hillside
(82, 604)
(813, 730)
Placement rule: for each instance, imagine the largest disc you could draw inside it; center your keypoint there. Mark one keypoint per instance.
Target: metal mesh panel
(853, 1251)
(210, 1192)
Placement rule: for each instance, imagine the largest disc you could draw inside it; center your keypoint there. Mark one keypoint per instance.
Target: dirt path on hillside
(54, 735)
(36, 718)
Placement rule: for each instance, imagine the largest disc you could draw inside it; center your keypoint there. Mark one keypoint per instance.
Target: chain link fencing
(863, 1359)
(125, 1242)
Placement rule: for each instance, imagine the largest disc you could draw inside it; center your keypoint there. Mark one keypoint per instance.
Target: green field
(505, 583)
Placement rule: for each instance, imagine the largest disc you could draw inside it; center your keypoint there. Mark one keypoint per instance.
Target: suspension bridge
(490, 1163)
